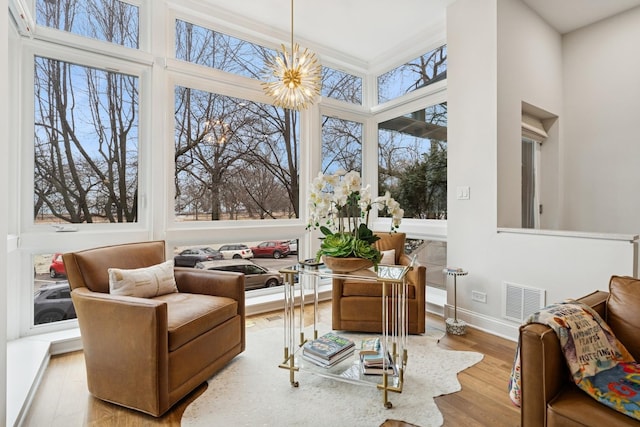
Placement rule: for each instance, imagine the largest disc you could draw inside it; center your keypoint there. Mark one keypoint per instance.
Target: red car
(272, 249)
(56, 269)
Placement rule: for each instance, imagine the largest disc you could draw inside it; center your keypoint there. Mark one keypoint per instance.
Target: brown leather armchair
(357, 305)
(549, 396)
(148, 353)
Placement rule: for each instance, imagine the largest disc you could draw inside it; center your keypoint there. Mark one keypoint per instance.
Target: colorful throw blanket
(599, 364)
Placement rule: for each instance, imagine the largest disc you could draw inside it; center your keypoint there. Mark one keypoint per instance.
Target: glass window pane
(237, 257)
(235, 159)
(413, 162)
(51, 296)
(342, 86)
(85, 144)
(107, 20)
(422, 71)
(210, 48)
(341, 145)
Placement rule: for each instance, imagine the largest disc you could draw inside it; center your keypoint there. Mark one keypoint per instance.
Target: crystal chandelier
(293, 80)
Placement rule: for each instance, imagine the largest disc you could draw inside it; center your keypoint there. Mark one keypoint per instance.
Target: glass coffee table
(303, 293)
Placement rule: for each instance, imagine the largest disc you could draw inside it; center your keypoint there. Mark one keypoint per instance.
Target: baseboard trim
(501, 328)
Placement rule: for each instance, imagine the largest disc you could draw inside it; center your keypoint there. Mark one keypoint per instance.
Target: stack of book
(375, 363)
(369, 346)
(328, 350)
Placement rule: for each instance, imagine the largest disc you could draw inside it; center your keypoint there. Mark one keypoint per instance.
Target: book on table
(328, 363)
(370, 345)
(372, 359)
(328, 347)
(376, 365)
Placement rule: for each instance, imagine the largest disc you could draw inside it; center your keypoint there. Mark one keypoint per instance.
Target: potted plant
(340, 207)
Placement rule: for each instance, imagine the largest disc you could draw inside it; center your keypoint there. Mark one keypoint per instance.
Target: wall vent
(520, 301)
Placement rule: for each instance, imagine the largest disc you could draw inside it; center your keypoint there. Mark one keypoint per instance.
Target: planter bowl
(346, 265)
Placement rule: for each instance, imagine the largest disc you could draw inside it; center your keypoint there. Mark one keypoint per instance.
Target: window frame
(158, 71)
(61, 53)
(43, 238)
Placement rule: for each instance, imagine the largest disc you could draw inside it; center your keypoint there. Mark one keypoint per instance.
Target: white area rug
(253, 391)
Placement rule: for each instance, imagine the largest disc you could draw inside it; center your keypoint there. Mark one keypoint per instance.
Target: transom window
(422, 71)
(203, 46)
(107, 20)
(342, 86)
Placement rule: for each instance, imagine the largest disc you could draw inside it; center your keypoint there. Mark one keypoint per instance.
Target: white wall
(479, 34)
(4, 195)
(601, 116)
(529, 70)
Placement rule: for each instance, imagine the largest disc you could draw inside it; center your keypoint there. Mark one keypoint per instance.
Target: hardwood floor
(63, 399)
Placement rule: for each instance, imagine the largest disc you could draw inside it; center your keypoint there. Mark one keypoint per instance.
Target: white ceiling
(366, 29)
(569, 15)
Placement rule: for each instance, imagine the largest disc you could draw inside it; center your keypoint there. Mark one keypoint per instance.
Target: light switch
(463, 192)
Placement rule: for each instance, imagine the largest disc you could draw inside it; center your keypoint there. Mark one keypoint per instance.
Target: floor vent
(519, 301)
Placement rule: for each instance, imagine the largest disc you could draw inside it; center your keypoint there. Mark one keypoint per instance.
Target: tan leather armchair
(549, 396)
(357, 305)
(148, 353)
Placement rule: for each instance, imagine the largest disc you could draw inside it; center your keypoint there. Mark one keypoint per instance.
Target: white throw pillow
(388, 257)
(143, 282)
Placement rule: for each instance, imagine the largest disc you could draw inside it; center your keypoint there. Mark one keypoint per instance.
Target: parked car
(56, 269)
(190, 257)
(272, 249)
(293, 247)
(236, 251)
(255, 276)
(52, 303)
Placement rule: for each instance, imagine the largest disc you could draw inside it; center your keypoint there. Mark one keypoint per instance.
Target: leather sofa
(549, 396)
(146, 353)
(357, 304)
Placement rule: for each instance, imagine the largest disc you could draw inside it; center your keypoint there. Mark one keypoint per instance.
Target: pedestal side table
(455, 326)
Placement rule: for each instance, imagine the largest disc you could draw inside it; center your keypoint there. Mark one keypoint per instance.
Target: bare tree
(341, 145)
(85, 139)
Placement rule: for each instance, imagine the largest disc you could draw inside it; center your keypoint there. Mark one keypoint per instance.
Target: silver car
(255, 276)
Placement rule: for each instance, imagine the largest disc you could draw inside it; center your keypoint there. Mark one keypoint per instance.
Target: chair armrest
(121, 337)
(108, 316)
(544, 371)
(209, 282)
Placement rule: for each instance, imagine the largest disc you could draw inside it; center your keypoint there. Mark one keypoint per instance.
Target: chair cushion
(388, 257)
(144, 282)
(623, 312)
(352, 288)
(191, 315)
(573, 407)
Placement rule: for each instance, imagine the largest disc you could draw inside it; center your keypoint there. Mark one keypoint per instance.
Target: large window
(173, 138)
(413, 161)
(85, 144)
(234, 159)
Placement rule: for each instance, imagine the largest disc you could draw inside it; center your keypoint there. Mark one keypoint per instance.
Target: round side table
(455, 326)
